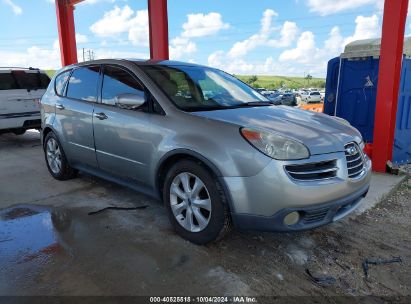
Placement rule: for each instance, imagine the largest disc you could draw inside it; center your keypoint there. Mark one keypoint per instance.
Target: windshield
(315, 93)
(193, 88)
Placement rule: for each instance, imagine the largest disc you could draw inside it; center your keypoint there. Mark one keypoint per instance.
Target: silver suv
(212, 148)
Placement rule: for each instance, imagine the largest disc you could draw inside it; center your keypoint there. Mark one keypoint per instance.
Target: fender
(203, 159)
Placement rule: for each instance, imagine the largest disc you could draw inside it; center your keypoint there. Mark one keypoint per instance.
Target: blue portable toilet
(351, 91)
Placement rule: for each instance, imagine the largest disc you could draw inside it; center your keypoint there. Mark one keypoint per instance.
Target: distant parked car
(232, 157)
(322, 93)
(275, 98)
(311, 97)
(20, 93)
(289, 99)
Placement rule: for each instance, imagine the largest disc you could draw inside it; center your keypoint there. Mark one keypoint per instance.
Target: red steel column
(67, 33)
(158, 29)
(392, 42)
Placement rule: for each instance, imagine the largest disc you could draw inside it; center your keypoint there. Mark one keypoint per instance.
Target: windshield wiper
(253, 104)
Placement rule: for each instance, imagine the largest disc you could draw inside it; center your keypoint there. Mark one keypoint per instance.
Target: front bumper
(310, 217)
(262, 201)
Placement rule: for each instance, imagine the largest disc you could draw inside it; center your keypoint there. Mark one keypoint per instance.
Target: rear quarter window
(8, 82)
(31, 80)
(60, 82)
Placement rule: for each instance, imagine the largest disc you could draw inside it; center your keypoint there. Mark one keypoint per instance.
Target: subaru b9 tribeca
(212, 148)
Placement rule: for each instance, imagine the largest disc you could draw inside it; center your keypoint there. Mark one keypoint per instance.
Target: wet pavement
(50, 245)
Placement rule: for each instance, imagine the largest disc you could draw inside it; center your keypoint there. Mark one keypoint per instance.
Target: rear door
(122, 136)
(74, 115)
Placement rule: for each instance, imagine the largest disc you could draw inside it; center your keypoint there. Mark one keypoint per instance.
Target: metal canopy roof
(370, 47)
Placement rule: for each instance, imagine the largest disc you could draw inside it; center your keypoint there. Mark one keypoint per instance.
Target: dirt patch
(276, 264)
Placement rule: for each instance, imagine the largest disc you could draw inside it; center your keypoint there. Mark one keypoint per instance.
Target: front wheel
(195, 203)
(56, 159)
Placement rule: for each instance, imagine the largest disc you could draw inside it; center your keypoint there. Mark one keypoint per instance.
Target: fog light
(291, 218)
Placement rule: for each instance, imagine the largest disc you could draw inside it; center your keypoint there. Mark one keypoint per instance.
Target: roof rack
(21, 68)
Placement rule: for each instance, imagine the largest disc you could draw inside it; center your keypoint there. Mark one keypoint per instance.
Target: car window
(315, 93)
(83, 83)
(196, 88)
(117, 81)
(60, 82)
(8, 82)
(31, 80)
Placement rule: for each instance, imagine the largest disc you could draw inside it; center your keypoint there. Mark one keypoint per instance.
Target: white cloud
(33, 57)
(303, 52)
(81, 38)
(365, 28)
(329, 7)
(123, 20)
(196, 26)
(200, 25)
(17, 10)
(288, 33)
(113, 22)
(180, 46)
(138, 33)
(314, 59)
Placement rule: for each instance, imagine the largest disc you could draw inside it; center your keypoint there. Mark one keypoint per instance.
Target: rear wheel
(195, 203)
(56, 159)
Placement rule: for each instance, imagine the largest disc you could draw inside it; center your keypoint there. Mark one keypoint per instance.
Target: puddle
(26, 232)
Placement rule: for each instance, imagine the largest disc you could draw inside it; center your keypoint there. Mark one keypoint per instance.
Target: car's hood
(319, 132)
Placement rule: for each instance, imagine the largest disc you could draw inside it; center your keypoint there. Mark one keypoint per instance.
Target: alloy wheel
(190, 202)
(53, 156)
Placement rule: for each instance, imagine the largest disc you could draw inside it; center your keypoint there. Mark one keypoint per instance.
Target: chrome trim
(120, 157)
(314, 171)
(81, 146)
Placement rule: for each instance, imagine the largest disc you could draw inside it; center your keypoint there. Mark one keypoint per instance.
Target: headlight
(275, 146)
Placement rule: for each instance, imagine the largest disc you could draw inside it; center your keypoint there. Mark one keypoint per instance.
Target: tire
(217, 219)
(56, 159)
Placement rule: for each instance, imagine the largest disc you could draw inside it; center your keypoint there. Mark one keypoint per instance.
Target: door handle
(59, 106)
(101, 116)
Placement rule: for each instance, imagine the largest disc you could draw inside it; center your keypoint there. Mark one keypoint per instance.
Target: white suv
(20, 92)
(311, 97)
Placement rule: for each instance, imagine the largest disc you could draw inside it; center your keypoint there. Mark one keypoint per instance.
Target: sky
(263, 37)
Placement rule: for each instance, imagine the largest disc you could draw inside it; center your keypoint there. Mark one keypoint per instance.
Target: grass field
(275, 82)
(50, 73)
(270, 82)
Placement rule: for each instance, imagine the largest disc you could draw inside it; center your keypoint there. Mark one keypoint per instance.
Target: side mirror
(130, 101)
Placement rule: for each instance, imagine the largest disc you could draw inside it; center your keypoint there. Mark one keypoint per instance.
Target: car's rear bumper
(26, 120)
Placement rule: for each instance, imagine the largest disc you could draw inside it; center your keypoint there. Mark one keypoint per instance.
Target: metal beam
(392, 43)
(158, 29)
(67, 32)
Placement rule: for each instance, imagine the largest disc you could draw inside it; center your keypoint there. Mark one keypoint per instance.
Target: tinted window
(60, 82)
(8, 82)
(315, 93)
(31, 80)
(83, 83)
(117, 81)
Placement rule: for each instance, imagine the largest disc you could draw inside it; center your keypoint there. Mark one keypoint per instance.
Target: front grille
(355, 160)
(313, 171)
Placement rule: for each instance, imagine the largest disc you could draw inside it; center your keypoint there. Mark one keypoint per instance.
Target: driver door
(122, 136)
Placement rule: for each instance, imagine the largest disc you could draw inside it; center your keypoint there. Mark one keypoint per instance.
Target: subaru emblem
(351, 150)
